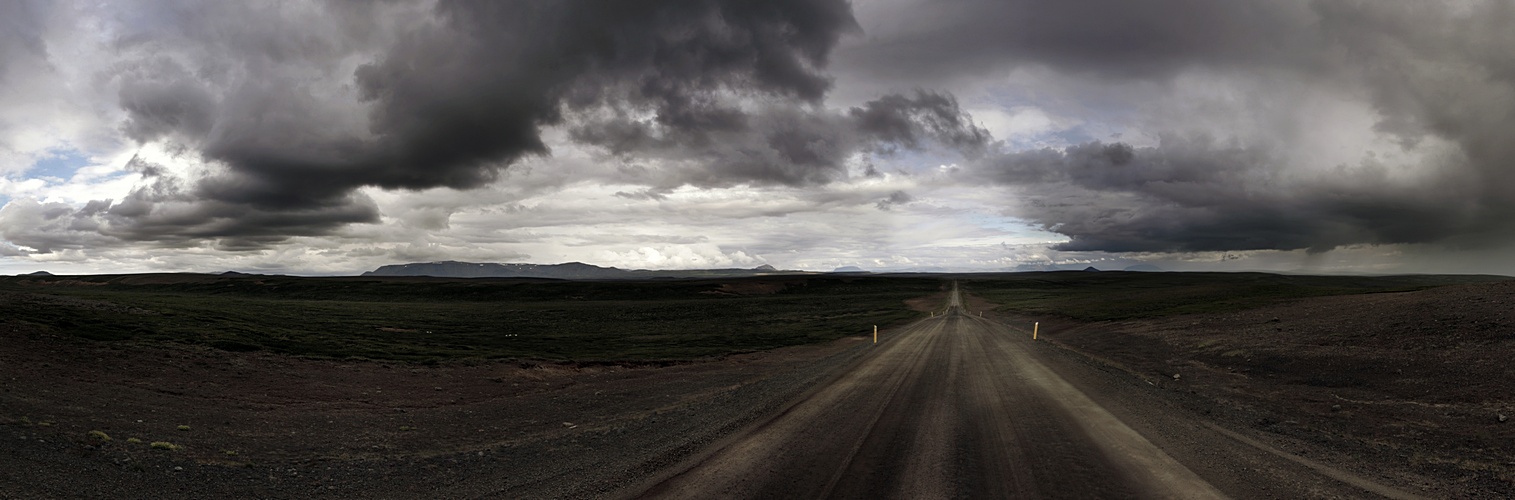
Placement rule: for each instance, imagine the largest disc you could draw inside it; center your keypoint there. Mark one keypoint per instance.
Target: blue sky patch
(59, 165)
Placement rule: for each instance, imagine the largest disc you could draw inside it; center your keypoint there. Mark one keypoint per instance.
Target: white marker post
(1034, 328)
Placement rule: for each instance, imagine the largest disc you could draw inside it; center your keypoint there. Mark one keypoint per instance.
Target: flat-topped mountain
(454, 269)
(566, 271)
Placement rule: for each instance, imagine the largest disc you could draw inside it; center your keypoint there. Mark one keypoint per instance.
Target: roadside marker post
(1035, 327)
(875, 334)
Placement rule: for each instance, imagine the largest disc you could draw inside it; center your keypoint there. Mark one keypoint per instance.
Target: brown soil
(274, 426)
(1417, 381)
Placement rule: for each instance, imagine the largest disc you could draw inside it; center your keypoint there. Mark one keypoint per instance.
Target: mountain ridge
(566, 270)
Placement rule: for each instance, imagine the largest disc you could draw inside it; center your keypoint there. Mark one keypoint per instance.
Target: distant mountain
(848, 269)
(566, 271)
(454, 269)
(1047, 267)
(38, 273)
(1145, 268)
(926, 269)
(1091, 268)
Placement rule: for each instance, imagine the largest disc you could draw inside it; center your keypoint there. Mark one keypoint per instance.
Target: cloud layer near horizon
(1165, 127)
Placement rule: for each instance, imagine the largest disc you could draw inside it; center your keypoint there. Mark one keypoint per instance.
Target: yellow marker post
(1034, 328)
(875, 334)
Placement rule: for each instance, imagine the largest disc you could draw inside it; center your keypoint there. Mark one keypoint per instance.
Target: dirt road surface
(958, 406)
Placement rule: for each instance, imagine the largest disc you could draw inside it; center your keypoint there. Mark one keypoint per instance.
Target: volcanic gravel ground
(1413, 385)
(262, 425)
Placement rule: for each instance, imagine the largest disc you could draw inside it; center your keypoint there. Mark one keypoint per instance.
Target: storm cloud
(1431, 80)
(788, 145)
(1140, 128)
(1190, 194)
(452, 97)
(1101, 38)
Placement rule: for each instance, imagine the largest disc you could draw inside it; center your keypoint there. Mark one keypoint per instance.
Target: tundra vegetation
(432, 319)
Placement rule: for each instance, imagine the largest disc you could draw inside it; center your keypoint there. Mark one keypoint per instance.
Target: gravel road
(958, 406)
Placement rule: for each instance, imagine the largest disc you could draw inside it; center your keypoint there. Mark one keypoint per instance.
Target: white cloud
(1017, 125)
(694, 256)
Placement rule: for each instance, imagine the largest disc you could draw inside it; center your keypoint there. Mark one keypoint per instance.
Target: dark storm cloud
(164, 212)
(169, 102)
(454, 104)
(786, 145)
(910, 121)
(20, 36)
(792, 145)
(1433, 72)
(451, 99)
(1102, 37)
(25, 71)
(1191, 194)
(295, 106)
(1437, 73)
(895, 198)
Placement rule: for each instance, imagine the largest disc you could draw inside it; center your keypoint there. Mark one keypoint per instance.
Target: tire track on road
(955, 406)
(944, 410)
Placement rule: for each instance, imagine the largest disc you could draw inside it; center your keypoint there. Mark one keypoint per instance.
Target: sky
(310, 137)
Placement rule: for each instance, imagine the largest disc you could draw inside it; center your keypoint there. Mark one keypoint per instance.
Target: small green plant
(45, 423)
(133, 440)
(230, 453)
(164, 445)
(184, 427)
(26, 421)
(99, 435)
(407, 428)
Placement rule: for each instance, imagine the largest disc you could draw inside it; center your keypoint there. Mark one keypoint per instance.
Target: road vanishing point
(961, 406)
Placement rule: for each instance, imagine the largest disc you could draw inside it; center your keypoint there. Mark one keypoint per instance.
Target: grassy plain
(432, 319)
